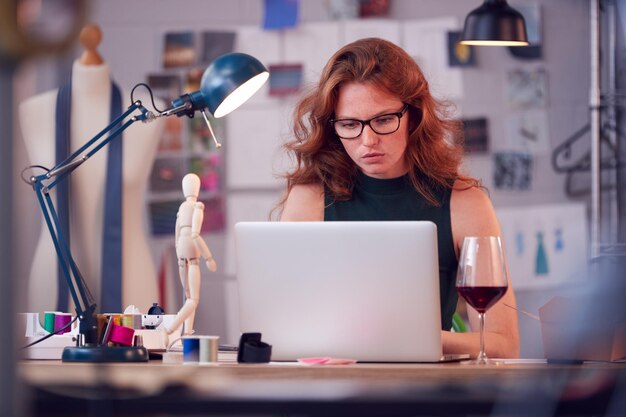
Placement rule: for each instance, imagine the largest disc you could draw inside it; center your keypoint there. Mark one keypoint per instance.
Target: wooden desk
(362, 389)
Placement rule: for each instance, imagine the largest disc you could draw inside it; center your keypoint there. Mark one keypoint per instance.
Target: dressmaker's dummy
(90, 113)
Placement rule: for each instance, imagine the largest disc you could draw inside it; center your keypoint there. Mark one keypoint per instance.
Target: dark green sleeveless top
(396, 199)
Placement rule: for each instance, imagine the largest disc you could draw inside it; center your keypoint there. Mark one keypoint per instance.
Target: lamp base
(102, 354)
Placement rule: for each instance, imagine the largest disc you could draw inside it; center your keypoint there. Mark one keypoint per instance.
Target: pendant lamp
(495, 23)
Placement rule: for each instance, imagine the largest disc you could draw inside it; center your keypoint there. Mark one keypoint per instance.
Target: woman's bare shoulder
(472, 213)
(305, 202)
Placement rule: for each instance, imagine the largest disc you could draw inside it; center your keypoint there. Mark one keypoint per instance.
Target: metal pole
(594, 106)
(8, 382)
(612, 119)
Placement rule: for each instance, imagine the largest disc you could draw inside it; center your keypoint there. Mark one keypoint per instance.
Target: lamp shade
(230, 81)
(495, 23)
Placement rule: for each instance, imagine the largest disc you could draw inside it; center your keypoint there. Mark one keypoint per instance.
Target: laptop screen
(362, 290)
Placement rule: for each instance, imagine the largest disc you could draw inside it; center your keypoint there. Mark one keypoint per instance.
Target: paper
(427, 41)
(527, 88)
(281, 14)
(527, 131)
(546, 245)
(512, 170)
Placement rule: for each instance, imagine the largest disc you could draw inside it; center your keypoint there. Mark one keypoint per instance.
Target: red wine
(481, 298)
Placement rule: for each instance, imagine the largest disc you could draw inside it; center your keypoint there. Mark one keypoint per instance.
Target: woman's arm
(472, 214)
(305, 202)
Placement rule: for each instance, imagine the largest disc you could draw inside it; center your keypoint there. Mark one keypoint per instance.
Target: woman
(371, 143)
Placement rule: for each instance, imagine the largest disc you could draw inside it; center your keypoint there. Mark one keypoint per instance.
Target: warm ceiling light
(495, 23)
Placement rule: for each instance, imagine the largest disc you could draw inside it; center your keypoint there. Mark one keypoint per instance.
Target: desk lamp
(494, 23)
(226, 84)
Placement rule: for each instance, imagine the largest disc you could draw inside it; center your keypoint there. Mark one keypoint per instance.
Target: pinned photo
(215, 44)
(512, 170)
(459, 55)
(285, 79)
(475, 135)
(179, 50)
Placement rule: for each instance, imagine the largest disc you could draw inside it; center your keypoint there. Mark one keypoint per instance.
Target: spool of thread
(102, 324)
(209, 346)
(48, 321)
(127, 321)
(191, 349)
(200, 349)
(136, 321)
(61, 320)
(121, 335)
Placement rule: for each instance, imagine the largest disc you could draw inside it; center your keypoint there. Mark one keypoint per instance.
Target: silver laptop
(361, 290)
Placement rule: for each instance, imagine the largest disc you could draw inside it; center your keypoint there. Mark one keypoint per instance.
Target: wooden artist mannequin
(190, 247)
(90, 113)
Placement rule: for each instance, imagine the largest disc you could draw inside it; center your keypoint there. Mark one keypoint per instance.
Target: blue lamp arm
(43, 184)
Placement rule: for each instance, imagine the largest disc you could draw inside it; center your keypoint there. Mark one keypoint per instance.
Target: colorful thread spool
(61, 320)
(121, 335)
(102, 324)
(191, 349)
(200, 349)
(127, 321)
(132, 321)
(209, 346)
(48, 321)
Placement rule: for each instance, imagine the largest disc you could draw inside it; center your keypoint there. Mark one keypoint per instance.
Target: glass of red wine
(481, 279)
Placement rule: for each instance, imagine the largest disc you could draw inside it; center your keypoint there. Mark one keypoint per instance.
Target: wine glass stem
(482, 357)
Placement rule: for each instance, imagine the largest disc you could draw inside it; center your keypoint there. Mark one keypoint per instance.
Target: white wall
(133, 34)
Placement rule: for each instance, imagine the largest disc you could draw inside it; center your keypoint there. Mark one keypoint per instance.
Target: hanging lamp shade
(495, 23)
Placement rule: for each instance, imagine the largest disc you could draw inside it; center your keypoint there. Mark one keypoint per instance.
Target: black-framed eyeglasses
(385, 124)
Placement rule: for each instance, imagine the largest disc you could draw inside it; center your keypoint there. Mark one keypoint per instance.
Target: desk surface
(361, 389)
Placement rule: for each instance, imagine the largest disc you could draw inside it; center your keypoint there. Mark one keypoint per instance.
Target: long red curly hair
(434, 152)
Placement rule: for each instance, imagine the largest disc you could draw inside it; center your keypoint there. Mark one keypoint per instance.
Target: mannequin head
(90, 37)
(191, 185)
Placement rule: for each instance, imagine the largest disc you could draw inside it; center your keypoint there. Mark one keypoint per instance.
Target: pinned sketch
(475, 135)
(163, 217)
(179, 50)
(527, 88)
(547, 245)
(215, 44)
(285, 79)
(512, 171)
(459, 55)
(281, 14)
(527, 131)
(558, 239)
(343, 9)
(167, 87)
(374, 8)
(171, 138)
(167, 174)
(541, 260)
(193, 77)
